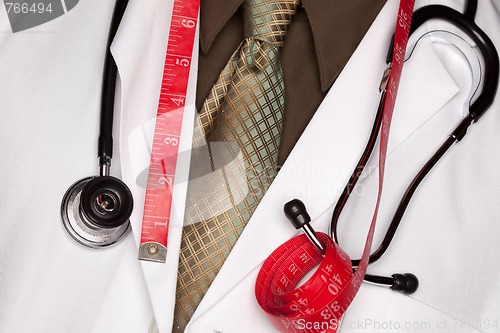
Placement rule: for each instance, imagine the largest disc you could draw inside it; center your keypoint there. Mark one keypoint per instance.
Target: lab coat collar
(331, 49)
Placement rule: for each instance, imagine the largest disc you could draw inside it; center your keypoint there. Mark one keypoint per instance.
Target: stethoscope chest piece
(95, 211)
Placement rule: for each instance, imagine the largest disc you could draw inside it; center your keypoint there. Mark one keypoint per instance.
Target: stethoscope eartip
(95, 211)
(405, 283)
(296, 212)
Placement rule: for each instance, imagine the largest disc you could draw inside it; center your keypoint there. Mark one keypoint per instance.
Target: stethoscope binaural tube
(95, 210)
(490, 56)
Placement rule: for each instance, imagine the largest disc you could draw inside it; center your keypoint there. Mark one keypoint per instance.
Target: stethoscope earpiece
(95, 211)
(405, 283)
(295, 211)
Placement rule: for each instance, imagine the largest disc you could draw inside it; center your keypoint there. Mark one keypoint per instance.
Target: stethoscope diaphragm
(109, 204)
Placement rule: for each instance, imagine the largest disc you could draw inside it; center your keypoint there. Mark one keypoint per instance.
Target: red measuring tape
(319, 304)
(165, 148)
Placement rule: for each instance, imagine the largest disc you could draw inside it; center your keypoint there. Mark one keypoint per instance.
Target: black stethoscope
(95, 210)
(295, 210)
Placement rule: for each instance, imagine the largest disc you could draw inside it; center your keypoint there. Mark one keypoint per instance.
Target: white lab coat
(50, 78)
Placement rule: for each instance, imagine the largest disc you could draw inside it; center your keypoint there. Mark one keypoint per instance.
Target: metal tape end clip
(153, 251)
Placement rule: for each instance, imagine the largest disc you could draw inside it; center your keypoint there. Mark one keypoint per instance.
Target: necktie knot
(268, 20)
(257, 56)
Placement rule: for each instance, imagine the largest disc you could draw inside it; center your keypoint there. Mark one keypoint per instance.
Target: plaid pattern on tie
(235, 151)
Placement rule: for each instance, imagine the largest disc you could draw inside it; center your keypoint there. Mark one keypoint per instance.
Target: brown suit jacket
(319, 42)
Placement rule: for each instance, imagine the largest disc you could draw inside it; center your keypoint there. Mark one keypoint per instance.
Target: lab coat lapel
(316, 173)
(139, 50)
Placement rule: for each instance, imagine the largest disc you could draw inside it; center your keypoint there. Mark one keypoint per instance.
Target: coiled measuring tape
(326, 295)
(165, 147)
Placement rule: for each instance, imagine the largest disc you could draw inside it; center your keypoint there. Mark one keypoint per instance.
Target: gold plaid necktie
(235, 151)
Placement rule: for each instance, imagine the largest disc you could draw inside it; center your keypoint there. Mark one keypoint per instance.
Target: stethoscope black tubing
(477, 109)
(105, 140)
(467, 25)
(359, 168)
(470, 10)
